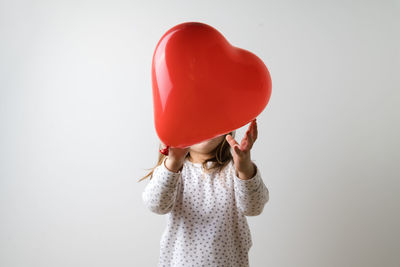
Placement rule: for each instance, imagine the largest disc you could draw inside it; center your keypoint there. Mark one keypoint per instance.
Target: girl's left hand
(241, 153)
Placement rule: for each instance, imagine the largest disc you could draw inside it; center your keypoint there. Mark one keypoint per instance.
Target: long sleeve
(160, 193)
(251, 195)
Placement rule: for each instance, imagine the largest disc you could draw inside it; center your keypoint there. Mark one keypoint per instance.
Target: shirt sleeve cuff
(249, 185)
(165, 176)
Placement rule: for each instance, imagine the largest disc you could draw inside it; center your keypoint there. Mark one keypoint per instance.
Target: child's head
(218, 149)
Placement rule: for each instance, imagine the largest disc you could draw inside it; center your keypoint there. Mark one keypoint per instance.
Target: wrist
(173, 165)
(247, 172)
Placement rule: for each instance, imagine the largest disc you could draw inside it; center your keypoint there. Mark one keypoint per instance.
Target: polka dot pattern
(206, 214)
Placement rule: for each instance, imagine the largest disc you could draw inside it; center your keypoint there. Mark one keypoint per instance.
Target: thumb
(232, 142)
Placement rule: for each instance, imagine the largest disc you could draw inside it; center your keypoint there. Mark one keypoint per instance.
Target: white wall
(77, 129)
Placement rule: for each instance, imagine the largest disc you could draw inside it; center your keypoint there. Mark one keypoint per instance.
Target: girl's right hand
(176, 157)
(178, 154)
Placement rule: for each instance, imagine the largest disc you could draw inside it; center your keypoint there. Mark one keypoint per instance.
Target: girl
(206, 190)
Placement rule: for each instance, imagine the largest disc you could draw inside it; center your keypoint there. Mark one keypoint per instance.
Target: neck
(197, 157)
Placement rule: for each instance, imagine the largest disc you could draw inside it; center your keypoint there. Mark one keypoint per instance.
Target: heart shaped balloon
(203, 86)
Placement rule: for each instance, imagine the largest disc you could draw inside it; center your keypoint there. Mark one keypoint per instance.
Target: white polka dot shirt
(206, 223)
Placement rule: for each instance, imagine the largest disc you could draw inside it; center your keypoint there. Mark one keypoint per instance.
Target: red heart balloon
(203, 86)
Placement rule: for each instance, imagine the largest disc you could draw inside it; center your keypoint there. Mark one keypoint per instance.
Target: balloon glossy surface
(203, 86)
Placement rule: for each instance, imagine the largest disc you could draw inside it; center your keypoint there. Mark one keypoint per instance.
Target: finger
(248, 140)
(232, 142)
(255, 133)
(244, 142)
(253, 129)
(250, 135)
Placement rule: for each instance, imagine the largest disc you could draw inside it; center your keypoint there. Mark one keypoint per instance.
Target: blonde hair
(222, 157)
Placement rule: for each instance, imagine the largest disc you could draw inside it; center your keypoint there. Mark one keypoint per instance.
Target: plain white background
(77, 129)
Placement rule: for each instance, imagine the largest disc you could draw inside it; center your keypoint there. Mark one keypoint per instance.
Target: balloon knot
(164, 151)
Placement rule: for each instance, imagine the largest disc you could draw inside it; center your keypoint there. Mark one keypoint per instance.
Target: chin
(200, 148)
(206, 146)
